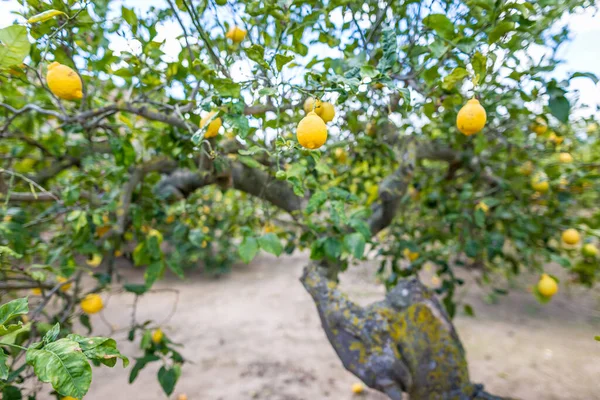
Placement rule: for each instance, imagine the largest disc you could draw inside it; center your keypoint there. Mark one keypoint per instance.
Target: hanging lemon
(236, 34)
(471, 118)
(64, 82)
(213, 128)
(311, 131)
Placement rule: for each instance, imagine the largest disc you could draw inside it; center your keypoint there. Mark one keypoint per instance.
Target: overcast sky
(581, 54)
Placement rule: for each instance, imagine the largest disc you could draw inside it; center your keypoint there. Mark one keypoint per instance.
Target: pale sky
(580, 55)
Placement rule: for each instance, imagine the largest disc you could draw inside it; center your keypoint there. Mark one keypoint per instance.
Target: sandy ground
(255, 334)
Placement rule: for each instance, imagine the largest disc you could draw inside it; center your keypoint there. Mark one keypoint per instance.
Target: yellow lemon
(118, 253)
(570, 236)
(94, 261)
(310, 104)
(64, 82)
(92, 303)
(157, 336)
(170, 219)
(205, 229)
(269, 228)
(483, 207)
(341, 155)
(589, 250)
(311, 131)
(69, 398)
(213, 128)
(36, 291)
(412, 256)
(204, 244)
(327, 111)
(65, 287)
(539, 127)
(182, 396)
(527, 168)
(547, 286)
(358, 388)
(565, 158)
(540, 183)
(236, 34)
(555, 138)
(471, 118)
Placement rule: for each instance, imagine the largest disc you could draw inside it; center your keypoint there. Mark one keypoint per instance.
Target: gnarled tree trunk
(405, 343)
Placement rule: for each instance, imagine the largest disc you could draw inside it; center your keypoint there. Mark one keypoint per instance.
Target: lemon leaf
(441, 25)
(500, 30)
(457, 75)
(100, 349)
(14, 45)
(12, 309)
(281, 60)
(248, 249)
(270, 243)
(62, 364)
(45, 16)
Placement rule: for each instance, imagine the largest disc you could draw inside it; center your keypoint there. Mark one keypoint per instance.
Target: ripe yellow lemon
(94, 261)
(527, 168)
(65, 287)
(69, 398)
(310, 104)
(269, 228)
(412, 256)
(471, 118)
(571, 236)
(170, 219)
(565, 158)
(36, 291)
(589, 250)
(357, 388)
(64, 82)
(311, 131)
(182, 396)
(92, 303)
(327, 111)
(341, 155)
(236, 34)
(483, 207)
(157, 336)
(540, 183)
(555, 138)
(213, 128)
(539, 127)
(547, 286)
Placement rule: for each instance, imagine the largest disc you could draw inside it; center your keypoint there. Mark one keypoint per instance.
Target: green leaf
(479, 218)
(140, 363)
(469, 310)
(361, 226)
(62, 364)
(500, 30)
(6, 329)
(248, 249)
(281, 60)
(270, 243)
(8, 252)
(368, 71)
(257, 54)
(457, 75)
(12, 309)
(479, 63)
(12, 393)
(355, 244)
(45, 16)
(14, 45)
(3, 367)
(154, 271)
(84, 319)
(167, 377)
(227, 88)
(316, 201)
(441, 24)
(135, 288)
(100, 349)
(52, 334)
(560, 108)
(130, 17)
(333, 248)
(589, 75)
(390, 50)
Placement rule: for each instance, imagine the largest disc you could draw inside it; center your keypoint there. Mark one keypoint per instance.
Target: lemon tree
(420, 134)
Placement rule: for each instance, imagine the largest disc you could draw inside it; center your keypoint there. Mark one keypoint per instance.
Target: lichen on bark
(405, 343)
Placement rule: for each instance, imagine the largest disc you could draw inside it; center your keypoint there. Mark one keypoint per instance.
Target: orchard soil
(255, 334)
